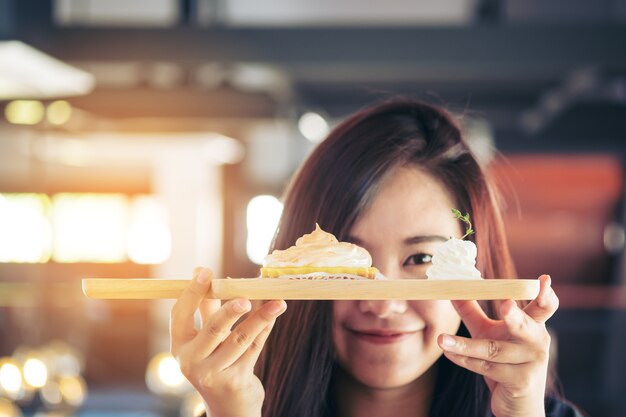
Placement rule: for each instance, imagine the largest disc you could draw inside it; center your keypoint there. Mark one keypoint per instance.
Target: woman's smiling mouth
(382, 336)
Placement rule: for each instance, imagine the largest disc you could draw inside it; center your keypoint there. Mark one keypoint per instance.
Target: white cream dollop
(454, 259)
(319, 248)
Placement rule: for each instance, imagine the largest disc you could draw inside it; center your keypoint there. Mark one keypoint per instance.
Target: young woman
(385, 179)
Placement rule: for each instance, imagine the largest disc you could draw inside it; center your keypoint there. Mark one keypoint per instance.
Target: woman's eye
(418, 259)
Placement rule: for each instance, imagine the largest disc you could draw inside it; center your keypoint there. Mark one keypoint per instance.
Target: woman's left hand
(511, 353)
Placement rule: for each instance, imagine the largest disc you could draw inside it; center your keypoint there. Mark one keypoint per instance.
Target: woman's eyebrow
(424, 238)
(408, 241)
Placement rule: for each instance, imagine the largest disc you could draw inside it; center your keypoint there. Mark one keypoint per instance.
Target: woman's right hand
(218, 359)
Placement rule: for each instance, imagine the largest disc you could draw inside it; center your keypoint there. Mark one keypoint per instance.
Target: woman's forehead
(409, 201)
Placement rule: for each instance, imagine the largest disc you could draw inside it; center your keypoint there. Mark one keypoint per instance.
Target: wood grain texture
(267, 289)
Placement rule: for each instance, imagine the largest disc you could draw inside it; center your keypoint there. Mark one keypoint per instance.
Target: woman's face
(385, 344)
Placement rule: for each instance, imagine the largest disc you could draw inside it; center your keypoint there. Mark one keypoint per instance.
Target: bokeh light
(89, 227)
(313, 126)
(25, 231)
(9, 409)
(149, 237)
(11, 382)
(169, 372)
(263, 214)
(73, 390)
(163, 375)
(68, 361)
(51, 394)
(35, 372)
(192, 405)
(24, 112)
(58, 112)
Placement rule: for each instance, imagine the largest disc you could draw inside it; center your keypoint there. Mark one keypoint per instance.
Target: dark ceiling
(524, 77)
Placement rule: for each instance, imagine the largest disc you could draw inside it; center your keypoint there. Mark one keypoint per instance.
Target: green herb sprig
(465, 219)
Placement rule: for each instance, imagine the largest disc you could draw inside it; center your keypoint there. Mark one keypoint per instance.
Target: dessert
(319, 255)
(455, 258)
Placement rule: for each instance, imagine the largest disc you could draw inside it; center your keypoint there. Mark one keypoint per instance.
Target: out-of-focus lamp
(25, 233)
(263, 214)
(8, 409)
(58, 112)
(89, 227)
(149, 237)
(24, 112)
(35, 372)
(163, 376)
(26, 72)
(313, 126)
(11, 382)
(73, 390)
(192, 405)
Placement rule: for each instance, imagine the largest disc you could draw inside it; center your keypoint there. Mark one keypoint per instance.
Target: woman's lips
(382, 337)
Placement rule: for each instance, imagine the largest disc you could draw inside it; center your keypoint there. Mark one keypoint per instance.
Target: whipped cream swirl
(454, 259)
(319, 248)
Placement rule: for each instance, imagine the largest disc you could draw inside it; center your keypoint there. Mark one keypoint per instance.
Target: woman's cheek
(440, 316)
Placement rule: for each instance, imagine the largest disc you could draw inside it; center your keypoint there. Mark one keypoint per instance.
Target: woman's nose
(383, 308)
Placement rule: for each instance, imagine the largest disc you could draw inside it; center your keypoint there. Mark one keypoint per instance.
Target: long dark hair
(333, 188)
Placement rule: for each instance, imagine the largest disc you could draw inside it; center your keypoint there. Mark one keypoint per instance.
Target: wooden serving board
(300, 289)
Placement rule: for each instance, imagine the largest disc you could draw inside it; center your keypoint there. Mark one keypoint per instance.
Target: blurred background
(141, 138)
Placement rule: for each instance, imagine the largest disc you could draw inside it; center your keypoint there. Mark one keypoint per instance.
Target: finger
(217, 329)
(207, 309)
(546, 303)
(498, 351)
(244, 335)
(251, 356)
(519, 324)
(182, 323)
(473, 315)
(499, 372)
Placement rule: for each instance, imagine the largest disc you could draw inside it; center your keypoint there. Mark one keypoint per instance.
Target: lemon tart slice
(319, 255)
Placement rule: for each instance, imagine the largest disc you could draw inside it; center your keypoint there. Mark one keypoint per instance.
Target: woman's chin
(386, 379)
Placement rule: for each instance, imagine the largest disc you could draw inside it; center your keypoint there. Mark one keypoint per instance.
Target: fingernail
(448, 341)
(277, 307)
(203, 277)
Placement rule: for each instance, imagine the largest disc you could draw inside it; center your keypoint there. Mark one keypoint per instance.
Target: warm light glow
(35, 373)
(8, 409)
(263, 214)
(149, 237)
(169, 372)
(313, 126)
(192, 405)
(89, 227)
(163, 375)
(74, 152)
(10, 377)
(24, 112)
(68, 361)
(73, 390)
(25, 232)
(83, 228)
(59, 112)
(26, 72)
(222, 149)
(51, 394)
